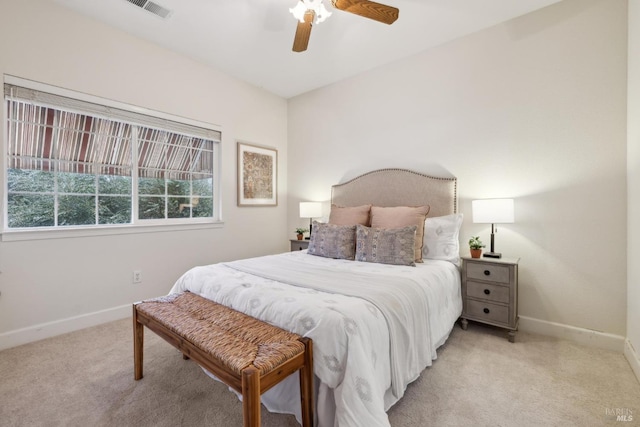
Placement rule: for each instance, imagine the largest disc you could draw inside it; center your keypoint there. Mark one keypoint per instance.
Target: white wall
(47, 281)
(533, 109)
(632, 350)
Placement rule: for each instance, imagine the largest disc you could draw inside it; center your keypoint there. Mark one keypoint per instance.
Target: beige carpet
(480, 379)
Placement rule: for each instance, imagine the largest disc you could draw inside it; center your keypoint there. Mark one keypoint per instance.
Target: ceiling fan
(308, 10)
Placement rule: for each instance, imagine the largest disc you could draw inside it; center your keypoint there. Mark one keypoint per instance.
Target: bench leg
(306, 384)
(138, 345)
(251, 396)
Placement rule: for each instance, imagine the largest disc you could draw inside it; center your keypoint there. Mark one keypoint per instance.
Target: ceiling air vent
(151, 7)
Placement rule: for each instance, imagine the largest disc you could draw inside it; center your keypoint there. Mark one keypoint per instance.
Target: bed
(375, 326)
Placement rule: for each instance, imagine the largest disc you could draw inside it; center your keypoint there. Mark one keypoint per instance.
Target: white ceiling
(252, 39)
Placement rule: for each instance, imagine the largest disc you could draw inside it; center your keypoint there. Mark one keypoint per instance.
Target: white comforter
(350, 335)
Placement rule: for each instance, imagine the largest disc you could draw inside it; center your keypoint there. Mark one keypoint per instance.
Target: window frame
(137, 225)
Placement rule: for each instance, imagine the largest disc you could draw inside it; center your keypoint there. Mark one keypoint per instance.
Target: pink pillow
(349, 215)
(402, 216)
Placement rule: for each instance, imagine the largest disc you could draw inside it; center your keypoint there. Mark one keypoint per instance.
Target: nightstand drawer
(298, 245)
(488, 272)
(488, 292)
(487, 311)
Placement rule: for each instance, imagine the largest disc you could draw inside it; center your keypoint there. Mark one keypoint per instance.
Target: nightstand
(298, 245)
(490, 292)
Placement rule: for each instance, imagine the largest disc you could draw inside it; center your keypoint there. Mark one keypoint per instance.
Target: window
(70, 163)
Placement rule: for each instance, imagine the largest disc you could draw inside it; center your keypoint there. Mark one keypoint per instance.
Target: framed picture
(257, 173)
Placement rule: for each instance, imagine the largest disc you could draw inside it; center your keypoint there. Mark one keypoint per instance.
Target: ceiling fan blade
(368, 9)
(303, 32)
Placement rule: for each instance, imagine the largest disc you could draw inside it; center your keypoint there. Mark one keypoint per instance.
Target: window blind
(82, 136)
(45, 99)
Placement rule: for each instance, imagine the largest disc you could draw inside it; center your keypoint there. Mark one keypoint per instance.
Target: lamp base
(492, 255)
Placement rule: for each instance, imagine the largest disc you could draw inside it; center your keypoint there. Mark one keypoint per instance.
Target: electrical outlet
(137, 276)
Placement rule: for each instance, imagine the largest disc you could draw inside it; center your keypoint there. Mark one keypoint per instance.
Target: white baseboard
(633, 357)
(58, 327)
(580, 335)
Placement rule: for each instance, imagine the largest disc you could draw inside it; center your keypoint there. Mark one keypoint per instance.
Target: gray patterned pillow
(333, 241)
(386, 245)
(402, 216)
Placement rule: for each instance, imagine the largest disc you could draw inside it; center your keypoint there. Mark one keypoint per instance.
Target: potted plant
(300, 232)
(475, 246)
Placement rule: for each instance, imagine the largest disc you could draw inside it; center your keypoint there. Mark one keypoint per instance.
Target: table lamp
(310, 210)
(492, 211)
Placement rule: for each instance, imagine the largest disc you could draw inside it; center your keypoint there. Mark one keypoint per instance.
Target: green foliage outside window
(32, 199)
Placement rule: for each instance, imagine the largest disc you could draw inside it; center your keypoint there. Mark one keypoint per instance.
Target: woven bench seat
(245, 353)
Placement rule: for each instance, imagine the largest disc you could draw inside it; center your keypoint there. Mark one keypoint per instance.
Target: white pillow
(441, 236)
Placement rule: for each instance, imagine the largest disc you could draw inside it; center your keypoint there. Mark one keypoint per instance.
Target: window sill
(67, 233)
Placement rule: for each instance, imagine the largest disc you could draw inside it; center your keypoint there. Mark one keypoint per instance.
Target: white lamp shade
(493, 211)
(310, 209)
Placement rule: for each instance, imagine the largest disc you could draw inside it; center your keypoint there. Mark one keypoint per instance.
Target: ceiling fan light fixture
(298, 11)
(322, 13)
(318, 8)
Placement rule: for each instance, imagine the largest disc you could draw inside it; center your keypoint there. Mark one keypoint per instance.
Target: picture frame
(257, 175)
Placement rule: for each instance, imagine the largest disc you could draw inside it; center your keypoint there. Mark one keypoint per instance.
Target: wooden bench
(245, 353)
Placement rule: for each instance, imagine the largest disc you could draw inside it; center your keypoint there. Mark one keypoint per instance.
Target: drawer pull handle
(487, 273)
(487, 291)
(486, 310)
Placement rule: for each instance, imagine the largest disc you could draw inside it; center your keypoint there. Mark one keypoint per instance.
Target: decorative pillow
(349, 215)
(402, 216)
(333, 241)
(386, 245)
(441, 238)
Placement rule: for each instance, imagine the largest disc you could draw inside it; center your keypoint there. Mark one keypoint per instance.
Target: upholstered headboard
(398, 187)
